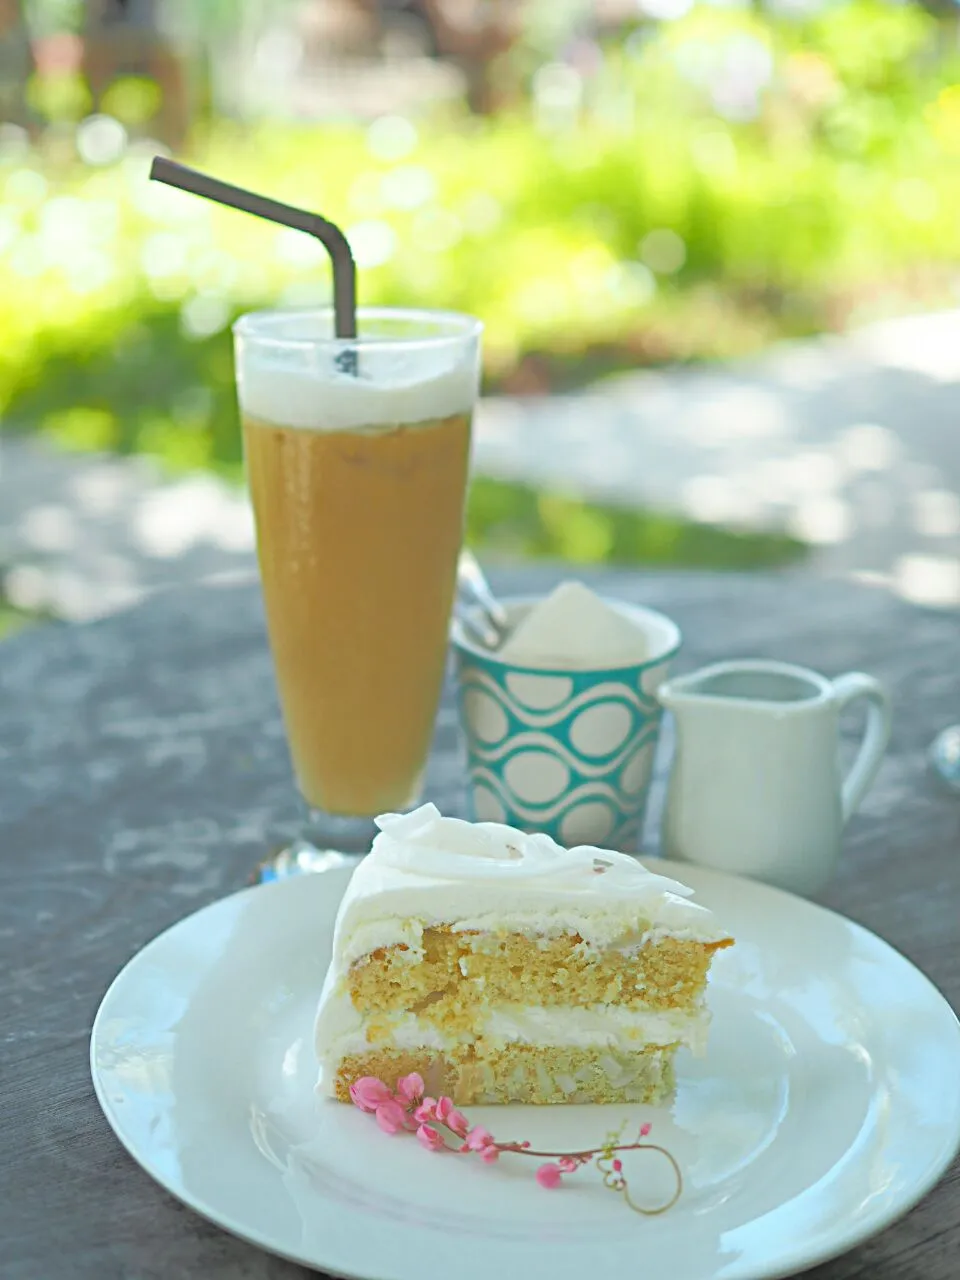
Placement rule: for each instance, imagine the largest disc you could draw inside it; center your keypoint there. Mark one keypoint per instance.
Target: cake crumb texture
(533, 1074)
(459, 973)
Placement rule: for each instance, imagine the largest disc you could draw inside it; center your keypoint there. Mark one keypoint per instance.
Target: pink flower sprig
(439, 1126)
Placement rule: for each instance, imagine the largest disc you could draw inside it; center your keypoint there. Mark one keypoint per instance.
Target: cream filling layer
(342, 1031)
(603, 931)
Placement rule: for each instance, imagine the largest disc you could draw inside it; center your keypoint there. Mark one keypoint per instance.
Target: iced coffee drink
(356, 457)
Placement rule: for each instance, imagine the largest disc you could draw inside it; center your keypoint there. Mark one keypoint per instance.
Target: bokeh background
(692, 232)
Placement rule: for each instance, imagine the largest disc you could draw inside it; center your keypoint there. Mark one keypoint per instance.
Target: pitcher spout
(749, 685)
(674, 693)
(667, 696)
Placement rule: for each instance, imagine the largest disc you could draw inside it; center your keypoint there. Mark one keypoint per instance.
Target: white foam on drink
(325, 399)
(573, 627)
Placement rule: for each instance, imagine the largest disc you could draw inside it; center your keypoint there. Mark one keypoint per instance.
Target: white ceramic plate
(827, 1106)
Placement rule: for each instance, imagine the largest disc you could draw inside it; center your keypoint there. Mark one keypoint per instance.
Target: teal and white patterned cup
(568, 751)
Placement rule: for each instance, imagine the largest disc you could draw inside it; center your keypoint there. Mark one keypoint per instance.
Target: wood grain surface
(145, 772)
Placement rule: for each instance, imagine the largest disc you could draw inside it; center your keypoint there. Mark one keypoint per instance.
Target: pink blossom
(434, 1118)
(426, 1111)
(549, 1176)
(368, 1093)
(458, 1123)
(411, 1087)
(391, 1116)
(478, 1138)
(444, 1107)
(430, 1138)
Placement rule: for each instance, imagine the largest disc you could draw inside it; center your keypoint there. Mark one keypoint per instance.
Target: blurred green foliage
(10, 619)
(705, 186)
(13, 619)
(516, 520)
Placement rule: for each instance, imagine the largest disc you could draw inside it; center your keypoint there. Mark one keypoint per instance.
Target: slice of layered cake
(504, 968)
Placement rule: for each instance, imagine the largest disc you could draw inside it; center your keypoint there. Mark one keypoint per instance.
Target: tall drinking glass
(356, 454)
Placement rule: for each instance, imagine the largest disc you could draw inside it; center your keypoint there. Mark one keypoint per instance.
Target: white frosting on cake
(324, 399)
(427, 870)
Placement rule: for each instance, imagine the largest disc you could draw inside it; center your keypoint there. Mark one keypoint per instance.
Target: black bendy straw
(329, 235)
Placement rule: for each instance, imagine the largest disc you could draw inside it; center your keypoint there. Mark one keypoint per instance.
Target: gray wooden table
(144, 773)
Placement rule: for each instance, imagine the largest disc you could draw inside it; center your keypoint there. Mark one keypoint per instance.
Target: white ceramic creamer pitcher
(756, 787)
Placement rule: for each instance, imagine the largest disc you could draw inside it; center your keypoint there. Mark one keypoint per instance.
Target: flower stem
(516, 1148)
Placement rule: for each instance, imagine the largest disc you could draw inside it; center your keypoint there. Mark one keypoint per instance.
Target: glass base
(329, 843)
(945, 757)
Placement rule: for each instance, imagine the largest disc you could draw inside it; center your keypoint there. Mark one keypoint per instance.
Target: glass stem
(329, 831)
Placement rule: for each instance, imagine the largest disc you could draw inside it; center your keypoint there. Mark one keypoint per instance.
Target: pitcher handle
(876, 735)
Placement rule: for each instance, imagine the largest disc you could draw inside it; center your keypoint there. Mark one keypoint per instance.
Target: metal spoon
(477, 607)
